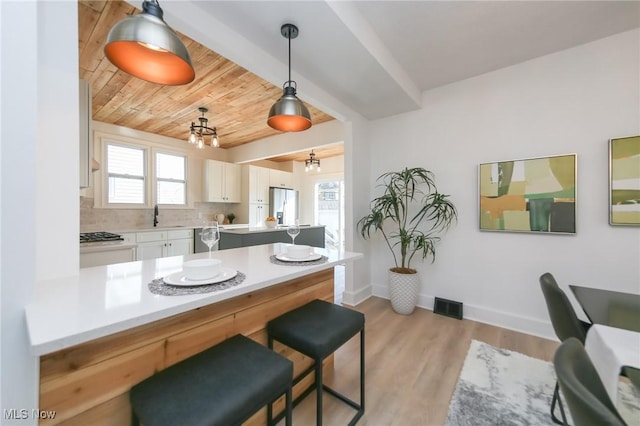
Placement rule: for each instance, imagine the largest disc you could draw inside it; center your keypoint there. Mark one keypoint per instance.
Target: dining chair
(584, 393)
(565, 322)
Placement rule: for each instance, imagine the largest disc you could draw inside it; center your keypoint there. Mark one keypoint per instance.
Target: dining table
(613, 340)
(614, 351)
(608, 307)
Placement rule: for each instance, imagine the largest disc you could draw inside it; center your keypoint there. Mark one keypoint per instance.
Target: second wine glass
(293, 231)
(210, 234)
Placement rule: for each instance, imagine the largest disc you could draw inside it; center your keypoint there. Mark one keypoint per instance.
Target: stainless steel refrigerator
(283, 205)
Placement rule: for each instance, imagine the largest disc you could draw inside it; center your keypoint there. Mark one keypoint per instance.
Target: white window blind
(170, 179)
(126, 174)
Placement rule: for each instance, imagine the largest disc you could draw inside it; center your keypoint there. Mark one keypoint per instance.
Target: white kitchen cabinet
(255, 195)
(222, 182)
(258, 184)
(155, 244)
(106, 255)
(150, 250)
(280, 179)
(129, 237)
(180, 242)
(257, 214)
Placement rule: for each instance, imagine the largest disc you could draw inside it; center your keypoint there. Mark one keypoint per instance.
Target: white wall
(569, 102)
(357, 169)
(39, 173)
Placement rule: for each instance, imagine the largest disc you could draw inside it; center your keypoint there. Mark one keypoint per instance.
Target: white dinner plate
(283, 257)
(179, 279)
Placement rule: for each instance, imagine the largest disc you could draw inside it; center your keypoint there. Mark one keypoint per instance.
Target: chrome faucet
(155, 215)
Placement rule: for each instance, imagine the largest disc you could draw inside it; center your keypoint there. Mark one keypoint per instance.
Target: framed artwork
(624, 181)
(531, 195)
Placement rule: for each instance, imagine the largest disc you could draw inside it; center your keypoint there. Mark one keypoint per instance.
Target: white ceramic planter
(403, 292)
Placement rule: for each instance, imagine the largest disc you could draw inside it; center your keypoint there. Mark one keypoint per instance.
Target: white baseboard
(351, 298)
(486, 315)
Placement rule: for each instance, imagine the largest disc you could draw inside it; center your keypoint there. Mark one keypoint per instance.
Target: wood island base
(89, 383)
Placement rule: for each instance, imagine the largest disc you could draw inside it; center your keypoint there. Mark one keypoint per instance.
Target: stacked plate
(298, 253)
(200, 272)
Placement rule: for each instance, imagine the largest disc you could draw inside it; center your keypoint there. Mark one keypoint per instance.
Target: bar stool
(316, 330)
(223, 385)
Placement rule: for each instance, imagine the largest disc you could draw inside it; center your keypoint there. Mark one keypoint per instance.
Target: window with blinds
(126, 174)
(170, 179)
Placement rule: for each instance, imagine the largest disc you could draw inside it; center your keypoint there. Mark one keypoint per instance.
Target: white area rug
(501, 387)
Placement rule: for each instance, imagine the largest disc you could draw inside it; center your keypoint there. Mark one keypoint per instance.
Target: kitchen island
(311, 235)
(103, 331)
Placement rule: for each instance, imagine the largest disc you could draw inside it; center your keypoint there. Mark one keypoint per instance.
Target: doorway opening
(329, 211)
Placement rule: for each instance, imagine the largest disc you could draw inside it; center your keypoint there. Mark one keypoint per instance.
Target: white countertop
(234, 228)
(150, 229)
(108, 299)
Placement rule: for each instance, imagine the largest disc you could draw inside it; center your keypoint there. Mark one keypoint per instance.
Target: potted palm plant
(410, 214)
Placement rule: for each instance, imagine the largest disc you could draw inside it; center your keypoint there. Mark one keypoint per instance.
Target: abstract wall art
(531, 195)
(624, 181)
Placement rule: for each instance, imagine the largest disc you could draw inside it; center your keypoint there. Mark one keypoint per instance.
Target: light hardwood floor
(412, 366)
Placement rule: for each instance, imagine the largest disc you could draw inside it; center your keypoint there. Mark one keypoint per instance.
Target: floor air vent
(448, 308)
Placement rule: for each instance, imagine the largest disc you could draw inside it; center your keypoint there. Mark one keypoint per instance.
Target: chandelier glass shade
(198, 132)
(144, 46)
(289, 114)
(311, 162)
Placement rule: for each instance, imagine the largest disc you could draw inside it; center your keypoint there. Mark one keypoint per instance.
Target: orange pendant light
(289, 114)
(144, 46)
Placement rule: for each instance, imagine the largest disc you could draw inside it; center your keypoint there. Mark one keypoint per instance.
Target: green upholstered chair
(565, 322)
(584, 393)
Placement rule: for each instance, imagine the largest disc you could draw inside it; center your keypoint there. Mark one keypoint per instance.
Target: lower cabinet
(155, 244)
(257, 214)
(180, 246)
(151, 250)
(107, 255)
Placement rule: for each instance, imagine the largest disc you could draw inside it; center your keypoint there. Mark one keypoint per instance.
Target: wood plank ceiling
(238, 101)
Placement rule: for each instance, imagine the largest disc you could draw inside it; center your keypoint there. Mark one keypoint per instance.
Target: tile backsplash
(93, 219)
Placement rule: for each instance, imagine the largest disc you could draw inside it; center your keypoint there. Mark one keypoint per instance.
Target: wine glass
(293, 231)
(210, 234)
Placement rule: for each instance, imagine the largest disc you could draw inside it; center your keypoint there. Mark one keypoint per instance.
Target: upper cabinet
(258, 184)
(280, 179)
(222, 182)
(86, 145)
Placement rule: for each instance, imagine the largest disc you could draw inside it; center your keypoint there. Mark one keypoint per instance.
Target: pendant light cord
(289, 37)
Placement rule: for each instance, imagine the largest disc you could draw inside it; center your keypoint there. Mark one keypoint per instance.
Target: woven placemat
(158, 286)
(277, 261)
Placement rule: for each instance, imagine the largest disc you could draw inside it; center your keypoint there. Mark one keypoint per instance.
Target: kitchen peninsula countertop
(103, 300)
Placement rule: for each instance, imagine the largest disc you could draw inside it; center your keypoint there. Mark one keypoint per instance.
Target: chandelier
(311, 162)
(289, 114)
(198, 132)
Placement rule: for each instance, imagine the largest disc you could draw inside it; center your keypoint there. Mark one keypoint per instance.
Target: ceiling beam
(360, 28)
(329, 133)
(195, 22)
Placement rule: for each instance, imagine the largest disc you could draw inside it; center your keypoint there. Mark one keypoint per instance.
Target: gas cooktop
(92, 237)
